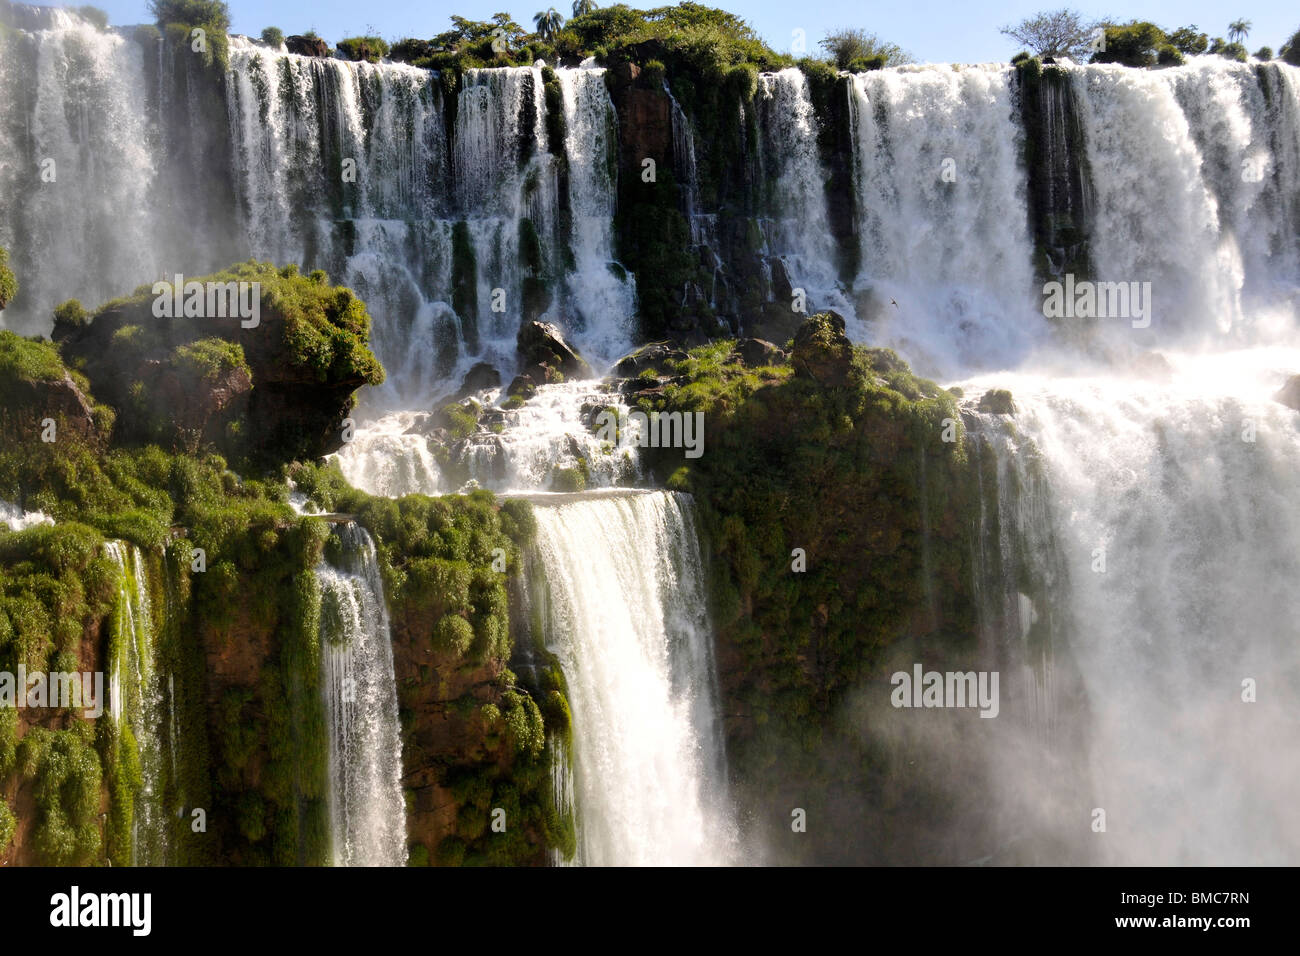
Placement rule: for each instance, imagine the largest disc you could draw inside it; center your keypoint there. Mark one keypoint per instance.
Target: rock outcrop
(822, 350)
(307, 46)
(541, 343)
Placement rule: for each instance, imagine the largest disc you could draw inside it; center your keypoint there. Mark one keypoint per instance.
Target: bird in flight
(894, 303)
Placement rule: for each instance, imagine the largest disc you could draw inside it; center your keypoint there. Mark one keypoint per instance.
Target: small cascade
(796, 230)
(628, 622)
(602, 293)
(366, 803)
(136, 701)
(16, 519)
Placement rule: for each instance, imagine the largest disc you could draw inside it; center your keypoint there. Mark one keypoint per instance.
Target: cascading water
(945, 273)
(136, 701)
(630, 627)
(77, 169)
(1194, 172)
(1176, 508)
(366, 805)
(797, 232)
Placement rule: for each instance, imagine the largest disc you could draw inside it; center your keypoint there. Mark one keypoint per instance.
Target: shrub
(454, 635)
(654, 73)
(1169, 55)
(273, 37)
(1264, 53)
(1234, 51)
(369, 49)
(1133, 44)
(68, 316)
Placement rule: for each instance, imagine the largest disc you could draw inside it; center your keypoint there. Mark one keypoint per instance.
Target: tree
(548, 23)
(1290, 52)
(583, 7)
(850, 44)
(1132, 44)
(1054, 33)
(1188, 40)
(1238, 30)
(273, 37)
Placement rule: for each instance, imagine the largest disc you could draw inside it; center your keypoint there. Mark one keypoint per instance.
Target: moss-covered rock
(262, 390)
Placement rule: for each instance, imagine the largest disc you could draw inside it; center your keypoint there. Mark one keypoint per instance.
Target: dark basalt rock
(307, 46)
(541, 343)
(481, 376)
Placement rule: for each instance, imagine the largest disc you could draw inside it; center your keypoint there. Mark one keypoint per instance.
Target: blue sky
(931, 30)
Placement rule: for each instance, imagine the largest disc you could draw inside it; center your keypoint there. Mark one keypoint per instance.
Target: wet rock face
(481, 376)
(541, 343)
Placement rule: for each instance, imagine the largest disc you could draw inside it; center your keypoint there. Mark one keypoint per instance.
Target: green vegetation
(67, 776)
(177, 19)
(1290, 52)
(369, 49)
(8, 283)
(851, 48)
(273, 37)
(856, 420)
(193, 384)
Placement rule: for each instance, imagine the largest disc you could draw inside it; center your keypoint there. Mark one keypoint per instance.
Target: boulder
(522, 385)
(755, 353)
(655, 355)
(1290, 393)
(481, 376)
(542, 343)
(307, 46)
(822, 351)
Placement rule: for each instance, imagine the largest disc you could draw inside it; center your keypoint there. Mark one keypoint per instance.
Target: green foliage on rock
(367, 49)
(273, 37)
(799, 636)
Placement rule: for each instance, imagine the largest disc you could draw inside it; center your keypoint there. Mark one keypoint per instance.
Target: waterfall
(797, 230)
(77, 166)
(630, 627)
(16, 519)
(604, 297)
(945, 272)
(1195, 175)
(136, 701)
(1175, 511)
(366, 803)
